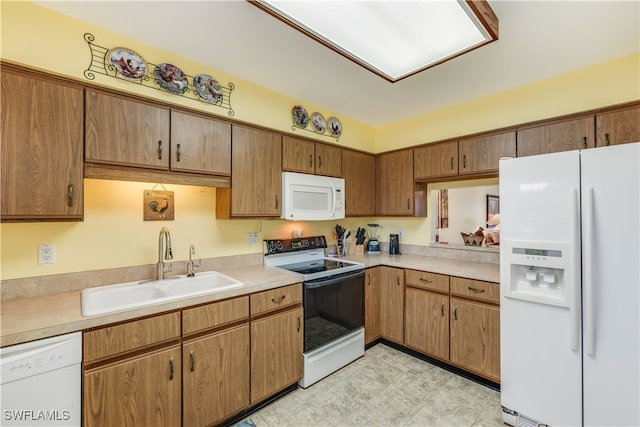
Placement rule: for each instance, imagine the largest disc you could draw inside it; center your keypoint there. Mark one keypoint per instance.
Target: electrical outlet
(46, 254)
(252, 239)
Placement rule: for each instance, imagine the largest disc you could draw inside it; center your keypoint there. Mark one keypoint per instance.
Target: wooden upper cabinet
(566, 135)
(256, 174)
(42, 174)
(482, 154)
(437, 160)
(360, 183)
(618, 127)
(299, 155)
(394, 183)
(328, 160)
(122, 131)
(200, 144)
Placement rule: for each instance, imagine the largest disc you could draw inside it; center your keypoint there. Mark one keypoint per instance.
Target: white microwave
(312, 197)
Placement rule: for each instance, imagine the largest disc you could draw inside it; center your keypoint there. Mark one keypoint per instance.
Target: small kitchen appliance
(333, 300)
(373, 246)
(394, 244)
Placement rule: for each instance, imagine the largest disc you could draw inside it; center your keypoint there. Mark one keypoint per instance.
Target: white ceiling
(538, 39)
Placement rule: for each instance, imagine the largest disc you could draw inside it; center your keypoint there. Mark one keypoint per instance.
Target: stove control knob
(279, 245)
(305, 243)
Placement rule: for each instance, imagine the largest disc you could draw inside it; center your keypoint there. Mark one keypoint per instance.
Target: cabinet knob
(159, 150)
(178, 153)
(70, 195)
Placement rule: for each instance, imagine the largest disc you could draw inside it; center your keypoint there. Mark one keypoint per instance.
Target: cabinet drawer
(215, 314)
(484, 291)
(426, 280)
(273, 299)
(125, 337)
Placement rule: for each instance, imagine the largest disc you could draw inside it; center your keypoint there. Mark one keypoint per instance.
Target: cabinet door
(215, 376)
(360, 183)
(482, 154)
(372, 305)
(328, 160)
(436, 160)
(42, 175)
(200, 144)
(121, 131)
(565, 135)
(475, 337)
(276, 353)
(618, 127)
(141, 391)
(394, 183)
(298, 155)
(426, 327)
(391, 303)
(256, 176)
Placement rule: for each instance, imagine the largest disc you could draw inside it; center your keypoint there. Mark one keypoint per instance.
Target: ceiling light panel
(392, 38)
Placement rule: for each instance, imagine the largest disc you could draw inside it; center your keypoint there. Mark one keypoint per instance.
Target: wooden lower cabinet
(475, 337)
(276, 353)
(145, 390)
(391, 303)
(372, 304)
(215, 375)
(427, 322)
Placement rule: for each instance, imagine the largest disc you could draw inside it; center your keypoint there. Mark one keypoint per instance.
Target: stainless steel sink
(123, 296)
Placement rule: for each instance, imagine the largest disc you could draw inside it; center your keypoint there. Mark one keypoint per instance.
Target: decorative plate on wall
(207, 88)
(318, 122)
(125, 62)
(300, 116)
(335, 127)
(171, 78)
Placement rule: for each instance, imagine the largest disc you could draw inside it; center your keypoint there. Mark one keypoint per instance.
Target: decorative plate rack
(319, 126)
(221, 97)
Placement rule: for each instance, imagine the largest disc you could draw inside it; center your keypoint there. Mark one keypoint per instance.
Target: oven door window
(333, 307)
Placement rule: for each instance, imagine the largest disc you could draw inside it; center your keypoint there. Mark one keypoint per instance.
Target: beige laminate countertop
(28, 319)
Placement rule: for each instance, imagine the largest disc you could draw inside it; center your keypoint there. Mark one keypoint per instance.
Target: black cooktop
(317, 266)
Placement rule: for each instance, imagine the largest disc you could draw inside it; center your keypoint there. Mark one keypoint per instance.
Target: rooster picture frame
(158, 205)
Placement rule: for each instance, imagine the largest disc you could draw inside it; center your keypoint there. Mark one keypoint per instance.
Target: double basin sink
(123, 296)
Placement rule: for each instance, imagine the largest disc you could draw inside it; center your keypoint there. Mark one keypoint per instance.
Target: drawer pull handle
(442, 309)
(70, 195)
(299, 324)
(475, 290)
(408, 203)
(277, 203)
(178, 152)
(451, 163)
(159, 150)
(278, 300)
(398, 279)
(426, 280)
(171, 368)
(193, 361)
(464, 161)
(455, 313)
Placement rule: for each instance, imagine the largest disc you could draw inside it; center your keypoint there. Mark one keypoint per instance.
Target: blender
(373, 246)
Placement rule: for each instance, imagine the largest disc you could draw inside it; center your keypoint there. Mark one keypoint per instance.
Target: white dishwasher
(41, 382)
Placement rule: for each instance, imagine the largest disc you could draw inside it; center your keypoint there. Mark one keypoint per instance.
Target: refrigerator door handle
(589, 283)
(574, 304)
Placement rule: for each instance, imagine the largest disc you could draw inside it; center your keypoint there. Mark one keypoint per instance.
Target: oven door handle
(332, 280)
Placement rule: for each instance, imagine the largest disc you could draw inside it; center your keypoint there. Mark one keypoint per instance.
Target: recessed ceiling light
(392, 38)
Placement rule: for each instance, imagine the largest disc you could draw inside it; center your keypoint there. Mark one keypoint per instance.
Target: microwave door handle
(333, 192)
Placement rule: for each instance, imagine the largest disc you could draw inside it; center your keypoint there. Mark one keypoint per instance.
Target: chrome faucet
(191, 265)
(168, 255)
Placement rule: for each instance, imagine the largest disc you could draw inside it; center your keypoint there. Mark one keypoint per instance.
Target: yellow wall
(113, 233)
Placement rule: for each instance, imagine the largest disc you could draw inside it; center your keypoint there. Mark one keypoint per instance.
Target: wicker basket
(472, 240)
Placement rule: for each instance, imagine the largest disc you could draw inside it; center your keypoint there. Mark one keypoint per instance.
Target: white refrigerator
(569, 284)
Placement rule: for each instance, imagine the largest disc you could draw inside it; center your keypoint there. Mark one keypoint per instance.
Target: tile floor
(385, 388)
